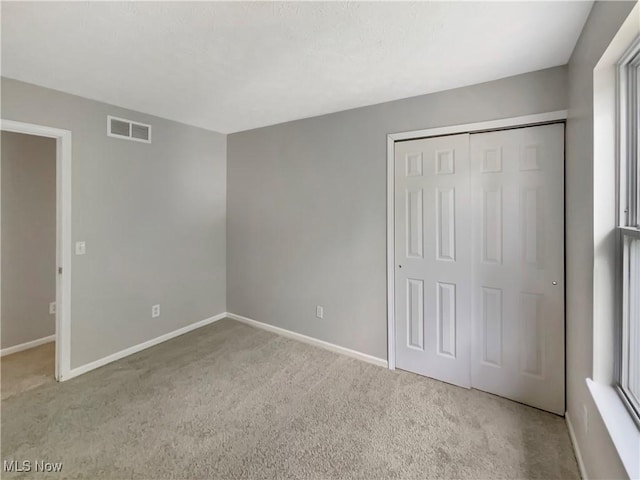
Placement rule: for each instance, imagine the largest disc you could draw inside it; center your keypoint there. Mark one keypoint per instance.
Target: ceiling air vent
(128, 129)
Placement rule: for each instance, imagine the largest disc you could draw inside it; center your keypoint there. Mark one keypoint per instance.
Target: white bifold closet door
(480, 261)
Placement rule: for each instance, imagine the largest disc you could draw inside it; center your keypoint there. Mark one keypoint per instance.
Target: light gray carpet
(28, 369)
(230, 401)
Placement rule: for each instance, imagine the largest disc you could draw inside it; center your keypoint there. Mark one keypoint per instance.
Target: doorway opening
(35, 255)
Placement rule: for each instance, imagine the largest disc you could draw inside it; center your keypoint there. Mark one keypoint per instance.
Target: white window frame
(608, 188)
(628, 230)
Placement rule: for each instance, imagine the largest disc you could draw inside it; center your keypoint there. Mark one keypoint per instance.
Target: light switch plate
(81, 248)
(52, 308)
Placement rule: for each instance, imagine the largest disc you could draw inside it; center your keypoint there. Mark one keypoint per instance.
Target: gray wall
(28, 197)
(600, 457)
(306, 201)
(153, 217)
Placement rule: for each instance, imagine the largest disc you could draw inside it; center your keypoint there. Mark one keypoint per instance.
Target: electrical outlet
(586, 418)
(319, 311)
(52, 308)
(155, 311)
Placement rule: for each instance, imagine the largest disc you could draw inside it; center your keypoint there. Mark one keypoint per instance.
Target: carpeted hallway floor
(230, 401)
(28, 369)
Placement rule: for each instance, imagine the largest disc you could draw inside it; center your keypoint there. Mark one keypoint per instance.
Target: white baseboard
(27, 345)
(139, 347)
(311, 341)
(181, 331)
(576, 448)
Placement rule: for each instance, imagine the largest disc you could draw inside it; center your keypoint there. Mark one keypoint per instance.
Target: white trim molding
(576, 447)
(142, 346)
(622, 429)
(391, 255)
(63, 236)
(310, 340)
(500, 124)
(27, 345)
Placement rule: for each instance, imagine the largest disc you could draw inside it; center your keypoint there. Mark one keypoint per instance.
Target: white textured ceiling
(234, 66)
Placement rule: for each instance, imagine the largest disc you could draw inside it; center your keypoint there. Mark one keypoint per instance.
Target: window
(629, 229)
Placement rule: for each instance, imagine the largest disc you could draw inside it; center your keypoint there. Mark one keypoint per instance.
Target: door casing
(63, 237)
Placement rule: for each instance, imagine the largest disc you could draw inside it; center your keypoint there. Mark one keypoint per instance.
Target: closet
(479, 249)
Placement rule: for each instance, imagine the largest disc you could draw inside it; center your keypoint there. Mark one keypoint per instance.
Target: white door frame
(63, 236)
(503, 123)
